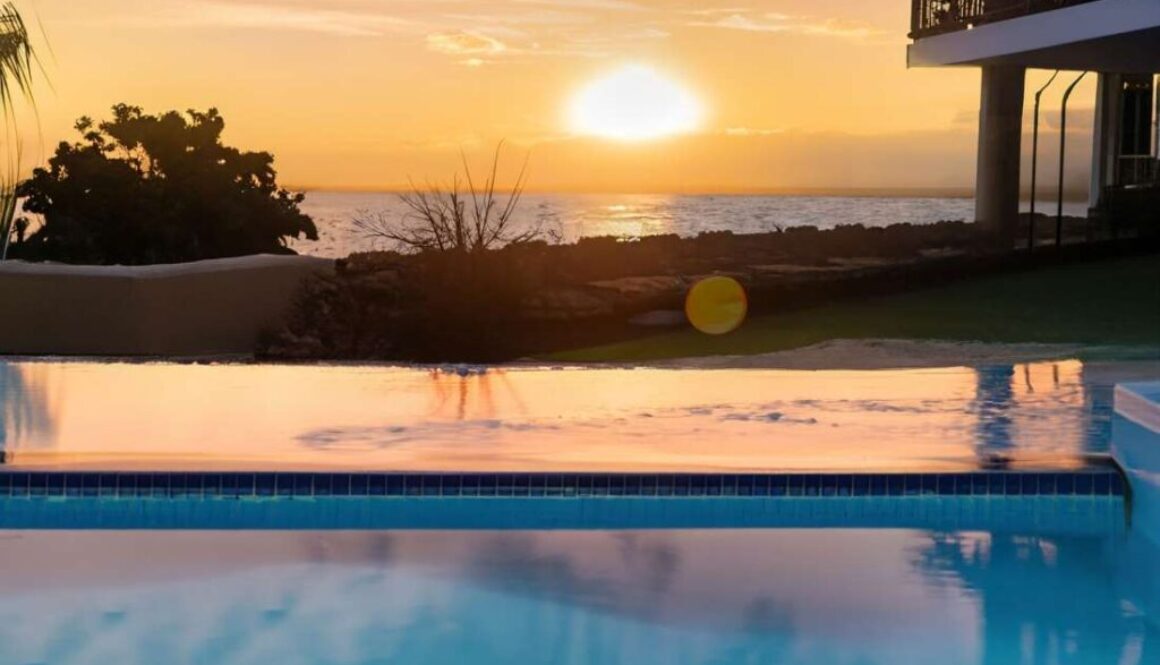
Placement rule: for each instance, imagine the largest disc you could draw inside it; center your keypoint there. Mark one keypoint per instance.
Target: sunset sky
(368, 93)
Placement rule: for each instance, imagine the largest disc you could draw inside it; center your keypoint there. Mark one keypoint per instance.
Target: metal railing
(934, 17)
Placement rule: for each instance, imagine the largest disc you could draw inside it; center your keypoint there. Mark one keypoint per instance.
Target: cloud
(965, 117)
(473, 33)
(463, 42)
(716, 11)
(1078, 118)
(537, 18)
(837, 28)
(257, 16)
(750, 131)
(626, 36)
(613, 5)
(559, 28)
(488, 47)
(783, 23)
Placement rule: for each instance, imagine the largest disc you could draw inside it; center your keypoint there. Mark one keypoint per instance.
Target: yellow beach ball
(716, 305)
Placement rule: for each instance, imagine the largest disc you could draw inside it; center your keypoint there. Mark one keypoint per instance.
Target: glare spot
(716, 305)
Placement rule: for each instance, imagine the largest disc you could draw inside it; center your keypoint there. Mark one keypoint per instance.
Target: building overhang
(1107, 35)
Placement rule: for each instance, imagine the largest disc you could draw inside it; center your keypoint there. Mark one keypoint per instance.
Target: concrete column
(1156, 117)
(1000, 136)
(1105, 137)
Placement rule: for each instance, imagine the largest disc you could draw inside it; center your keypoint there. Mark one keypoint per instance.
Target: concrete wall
(218, 306)
(1136, 447)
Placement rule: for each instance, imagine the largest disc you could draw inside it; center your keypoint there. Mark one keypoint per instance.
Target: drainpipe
(1062, 153)
(1034, 163)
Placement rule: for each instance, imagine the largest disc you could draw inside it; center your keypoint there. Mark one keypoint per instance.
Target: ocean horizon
(574, 216)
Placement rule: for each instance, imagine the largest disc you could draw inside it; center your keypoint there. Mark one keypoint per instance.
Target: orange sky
(367, 93)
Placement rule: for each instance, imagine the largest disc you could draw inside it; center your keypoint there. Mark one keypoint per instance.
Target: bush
(432, 307)
(454, 292)
(455, 218)
(158, 189)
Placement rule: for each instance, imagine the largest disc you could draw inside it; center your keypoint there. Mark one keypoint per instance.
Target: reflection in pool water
(823, 597)
(248, 416)
(24, 410)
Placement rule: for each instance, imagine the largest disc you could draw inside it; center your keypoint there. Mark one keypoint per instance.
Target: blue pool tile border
(1046, 516)
(30, 484)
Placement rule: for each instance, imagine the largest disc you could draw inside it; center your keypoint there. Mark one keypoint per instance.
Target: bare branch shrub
(460, 217)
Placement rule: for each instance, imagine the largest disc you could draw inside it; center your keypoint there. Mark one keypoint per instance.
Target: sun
(634, 103)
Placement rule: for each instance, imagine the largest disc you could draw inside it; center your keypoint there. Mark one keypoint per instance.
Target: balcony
(1138, 171)
(936, 17)
(1094, 35)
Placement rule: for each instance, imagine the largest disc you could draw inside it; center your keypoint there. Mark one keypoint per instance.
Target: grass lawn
(1115, 302)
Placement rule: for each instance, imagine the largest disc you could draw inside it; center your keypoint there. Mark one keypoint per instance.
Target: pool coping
(1139, 402)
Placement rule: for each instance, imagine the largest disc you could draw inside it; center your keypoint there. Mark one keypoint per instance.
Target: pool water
(261, 417)
(299, 579)
(1081, 595)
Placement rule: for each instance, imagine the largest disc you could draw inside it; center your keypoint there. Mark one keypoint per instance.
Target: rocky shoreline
(536, 297)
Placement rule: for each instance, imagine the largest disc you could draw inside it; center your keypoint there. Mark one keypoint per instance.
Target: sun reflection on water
(633, 217)
(248, 416)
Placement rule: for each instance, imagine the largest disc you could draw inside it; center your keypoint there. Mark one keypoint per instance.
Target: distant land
(1074, 193)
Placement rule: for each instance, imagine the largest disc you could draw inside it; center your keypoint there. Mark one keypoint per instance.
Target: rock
(568, 303)
(659, 318)
(644, 288)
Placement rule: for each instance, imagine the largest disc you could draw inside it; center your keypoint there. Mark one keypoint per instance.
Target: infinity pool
(120, 416)
(136, 526)
(1083, 592)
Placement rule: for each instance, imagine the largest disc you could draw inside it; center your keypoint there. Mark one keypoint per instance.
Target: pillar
(1156, 117)
(1000, 136)
(1105, 138)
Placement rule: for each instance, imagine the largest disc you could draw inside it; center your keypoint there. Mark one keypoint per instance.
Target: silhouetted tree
(157, 189)
(20, 228)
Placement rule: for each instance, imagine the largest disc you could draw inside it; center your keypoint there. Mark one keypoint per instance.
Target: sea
(569, 217)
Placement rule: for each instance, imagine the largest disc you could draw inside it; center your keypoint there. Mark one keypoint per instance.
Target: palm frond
(18, 60)
(18, 65)
(9, 181)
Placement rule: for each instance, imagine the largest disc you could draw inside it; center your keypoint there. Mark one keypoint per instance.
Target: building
(1117, 40)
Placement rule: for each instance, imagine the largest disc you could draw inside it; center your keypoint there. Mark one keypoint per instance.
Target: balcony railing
(934, 17)
(1138, 171)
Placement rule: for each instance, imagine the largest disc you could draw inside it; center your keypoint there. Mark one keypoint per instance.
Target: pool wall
(192, 500)
(1098, 479)
(1136, 447)
(1045, 515)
